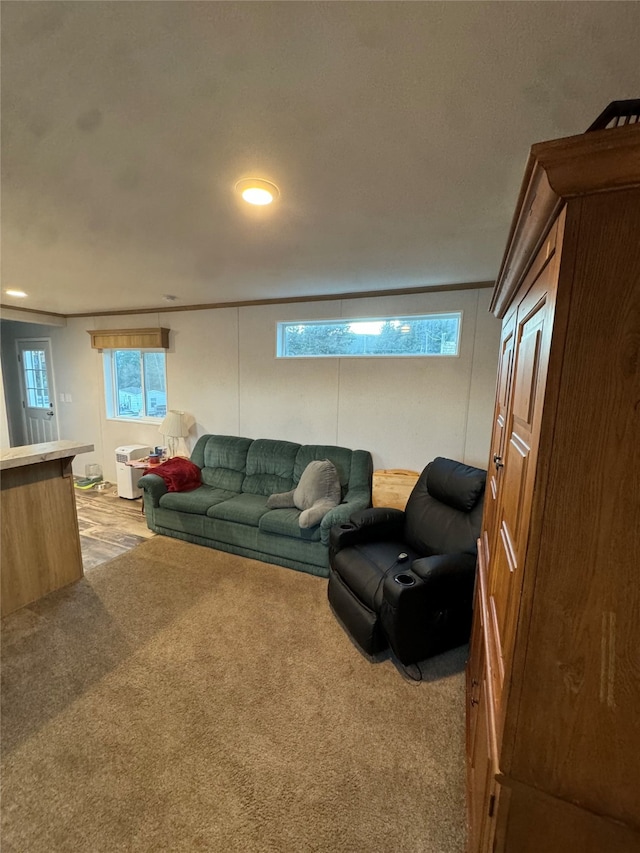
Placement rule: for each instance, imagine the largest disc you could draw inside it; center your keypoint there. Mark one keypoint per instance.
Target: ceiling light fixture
(20, 293)
(257, 191)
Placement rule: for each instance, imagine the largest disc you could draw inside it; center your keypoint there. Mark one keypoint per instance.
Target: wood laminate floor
(109, 525)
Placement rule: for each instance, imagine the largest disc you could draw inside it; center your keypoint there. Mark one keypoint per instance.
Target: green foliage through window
(423, 335)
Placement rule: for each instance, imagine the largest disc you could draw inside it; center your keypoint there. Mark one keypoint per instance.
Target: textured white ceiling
(397, 133)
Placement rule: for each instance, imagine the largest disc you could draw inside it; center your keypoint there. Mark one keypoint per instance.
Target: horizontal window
(135, 383)
(421, 335)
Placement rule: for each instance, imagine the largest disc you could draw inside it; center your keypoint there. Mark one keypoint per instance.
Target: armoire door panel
(483, 768)
(498, 615)
(475, 675)
(515, 478)
(503, 568)
(538, 823)
(495, 466)
(528, 364)
(531, 340)
(561, 529)
(582, 668)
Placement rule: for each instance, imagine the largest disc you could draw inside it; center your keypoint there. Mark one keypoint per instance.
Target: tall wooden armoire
(553, 681)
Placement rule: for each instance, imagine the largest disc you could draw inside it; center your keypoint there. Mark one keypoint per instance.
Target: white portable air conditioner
(127, 477)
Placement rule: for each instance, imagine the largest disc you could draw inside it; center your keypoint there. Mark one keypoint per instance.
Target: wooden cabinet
(39, 541)
(392, 487)
(553, 681)
(481, 731)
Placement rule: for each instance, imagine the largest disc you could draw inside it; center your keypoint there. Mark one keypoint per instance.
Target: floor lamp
(174, 427)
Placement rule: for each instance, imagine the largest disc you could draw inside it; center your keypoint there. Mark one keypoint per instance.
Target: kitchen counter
(31, 454)
(39, 537)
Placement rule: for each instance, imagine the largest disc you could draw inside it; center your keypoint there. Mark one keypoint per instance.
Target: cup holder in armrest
(404, 580)
(347, 526)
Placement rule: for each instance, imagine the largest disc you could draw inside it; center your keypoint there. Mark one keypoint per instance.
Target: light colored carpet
(183, 699)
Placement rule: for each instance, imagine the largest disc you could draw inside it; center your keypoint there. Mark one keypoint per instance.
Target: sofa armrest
(356, 499)
(154, 488)
(374, 524)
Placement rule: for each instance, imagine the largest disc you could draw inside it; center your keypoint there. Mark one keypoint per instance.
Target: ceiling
(396, 132)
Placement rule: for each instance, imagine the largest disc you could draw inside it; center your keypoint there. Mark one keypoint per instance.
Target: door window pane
(35, 379)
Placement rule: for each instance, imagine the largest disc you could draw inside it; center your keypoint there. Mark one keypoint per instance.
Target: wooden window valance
(155, 338)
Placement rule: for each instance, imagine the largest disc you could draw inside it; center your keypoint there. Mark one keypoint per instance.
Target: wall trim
(284, 300)
(9, 310)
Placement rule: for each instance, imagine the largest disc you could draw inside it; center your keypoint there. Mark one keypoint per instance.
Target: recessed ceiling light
(257, 191)
(20, 293)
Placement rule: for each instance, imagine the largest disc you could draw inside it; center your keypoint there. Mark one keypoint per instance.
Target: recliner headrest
(455, 484)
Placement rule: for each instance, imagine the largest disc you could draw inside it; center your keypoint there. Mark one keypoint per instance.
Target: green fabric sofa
(229, 510)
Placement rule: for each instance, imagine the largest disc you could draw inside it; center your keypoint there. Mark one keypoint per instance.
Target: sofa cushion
(285, 522)
(270, 467)
(223, 459)
(242, 509)
(196, 502)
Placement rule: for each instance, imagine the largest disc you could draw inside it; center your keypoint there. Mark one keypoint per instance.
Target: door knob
(50, 414)
(498, 461)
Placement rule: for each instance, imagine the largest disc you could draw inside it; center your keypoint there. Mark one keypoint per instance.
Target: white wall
(222, 370)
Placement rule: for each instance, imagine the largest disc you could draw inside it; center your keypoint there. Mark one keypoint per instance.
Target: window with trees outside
(417, 335)
(135, 383)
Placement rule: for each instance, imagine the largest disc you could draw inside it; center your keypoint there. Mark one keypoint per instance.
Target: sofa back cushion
(270, 466)
(223, 460)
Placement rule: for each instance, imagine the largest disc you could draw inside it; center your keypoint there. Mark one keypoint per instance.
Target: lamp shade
(174, 425)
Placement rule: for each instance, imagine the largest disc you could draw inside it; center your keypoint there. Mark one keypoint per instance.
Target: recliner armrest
(447, 575)
(427, 606)
(438, 579)
(375, 524)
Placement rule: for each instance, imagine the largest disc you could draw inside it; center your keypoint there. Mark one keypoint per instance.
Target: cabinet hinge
(492, 804)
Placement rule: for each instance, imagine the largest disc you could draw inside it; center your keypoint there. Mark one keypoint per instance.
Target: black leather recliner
(406, 579)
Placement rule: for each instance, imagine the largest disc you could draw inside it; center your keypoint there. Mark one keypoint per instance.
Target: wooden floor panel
(109, 525)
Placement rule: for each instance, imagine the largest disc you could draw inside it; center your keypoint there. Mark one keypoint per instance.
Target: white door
(36, 385)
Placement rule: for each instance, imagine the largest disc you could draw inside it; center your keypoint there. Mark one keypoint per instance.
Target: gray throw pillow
(317, 492)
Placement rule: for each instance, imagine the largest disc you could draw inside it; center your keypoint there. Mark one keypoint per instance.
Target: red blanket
(180, 474)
